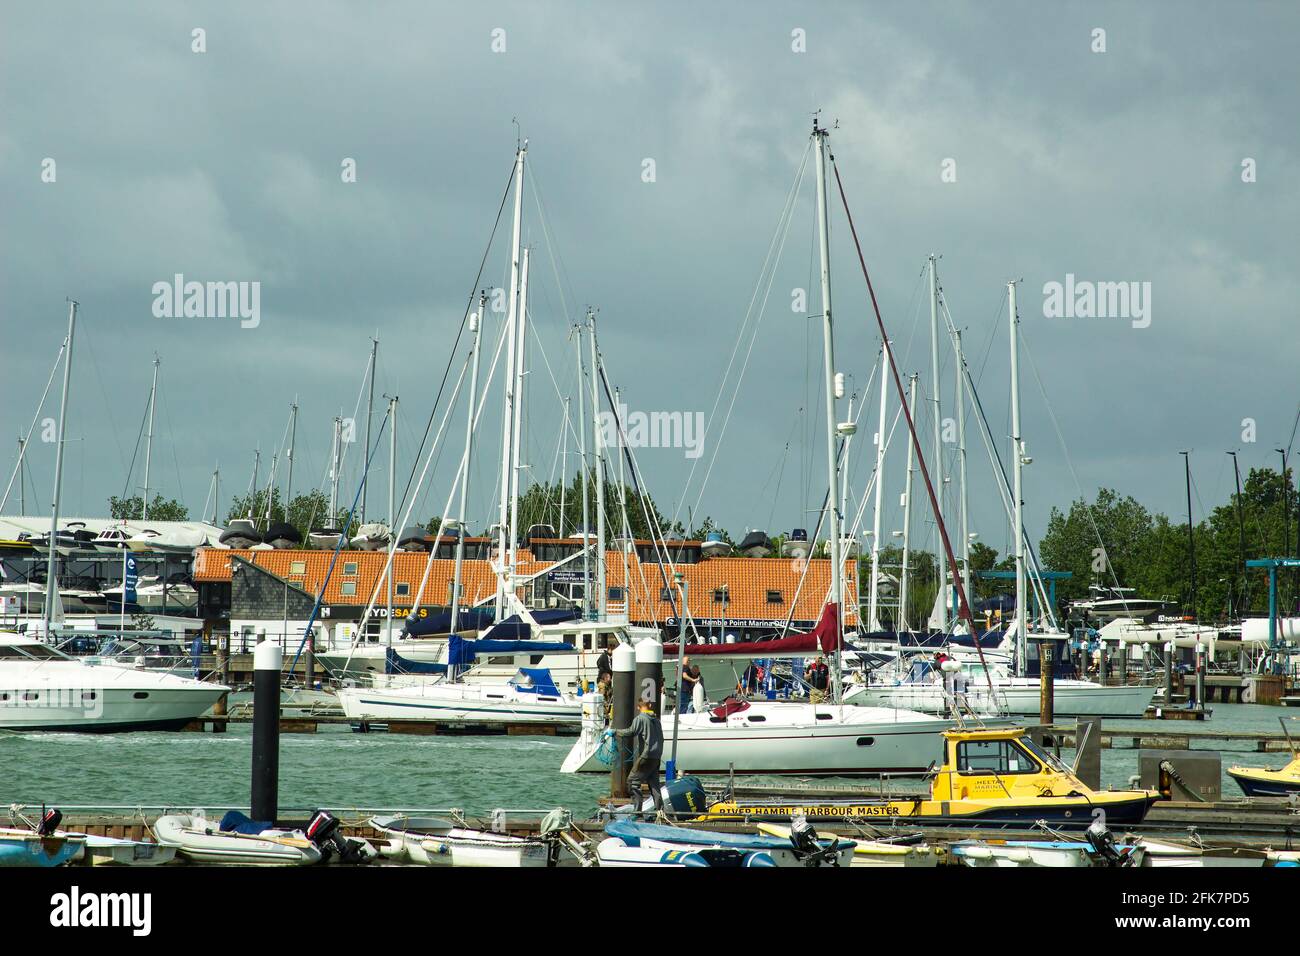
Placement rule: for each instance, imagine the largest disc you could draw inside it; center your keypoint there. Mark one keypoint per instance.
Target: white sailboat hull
(458, 703)
(809, 739)
(1071, 698)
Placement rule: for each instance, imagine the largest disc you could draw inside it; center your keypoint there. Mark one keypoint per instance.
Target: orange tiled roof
(746, 580)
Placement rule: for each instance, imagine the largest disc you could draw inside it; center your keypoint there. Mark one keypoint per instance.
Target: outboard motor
(50, 821)
(807, 847)
(1103, 844)
(323, 831)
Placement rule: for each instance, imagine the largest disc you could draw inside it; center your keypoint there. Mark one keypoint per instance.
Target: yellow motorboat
(1267, 782)
(989, 778)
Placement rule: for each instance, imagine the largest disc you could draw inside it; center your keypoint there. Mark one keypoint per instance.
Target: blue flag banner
(129, 580)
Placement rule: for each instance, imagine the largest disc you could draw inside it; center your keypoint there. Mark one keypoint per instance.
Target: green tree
(160, 508)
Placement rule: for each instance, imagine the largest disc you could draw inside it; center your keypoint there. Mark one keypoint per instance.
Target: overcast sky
(226, 165)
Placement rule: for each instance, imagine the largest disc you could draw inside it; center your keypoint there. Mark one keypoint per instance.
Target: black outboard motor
(323, 831)
(50, 821)
(1103, 844)
(808, 848)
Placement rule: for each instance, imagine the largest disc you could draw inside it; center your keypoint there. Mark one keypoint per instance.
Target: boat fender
(50, 821)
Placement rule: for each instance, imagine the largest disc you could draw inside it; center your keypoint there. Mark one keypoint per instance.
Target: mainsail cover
(822, 638)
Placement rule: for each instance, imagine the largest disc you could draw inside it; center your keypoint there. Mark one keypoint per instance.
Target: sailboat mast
(392, 505)
(334, 473)
(293, 435)
(598, 458)
(1191, 537)
(51, 577)
(941, 605)
(823, 243)
(1241, 536)
(901, 623)
(475, 327)
(508, 414)
(216, 493)
(582, 470)
(148, 445)
(622, 503)
(370, 413)
(1018, 461)
(564, 463)
(959, 396)
(874, 608)
(521, 323)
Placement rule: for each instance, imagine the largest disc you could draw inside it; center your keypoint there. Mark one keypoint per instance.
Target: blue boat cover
(469, 618)
(236, 822)
(461, 652)
(540, 681)
(395, 663)
(515, 628)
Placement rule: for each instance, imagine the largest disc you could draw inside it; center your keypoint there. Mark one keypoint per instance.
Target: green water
(342, 770)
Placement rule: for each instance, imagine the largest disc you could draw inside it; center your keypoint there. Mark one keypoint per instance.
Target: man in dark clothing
(690, 679)
(605, 663)
(647, 751)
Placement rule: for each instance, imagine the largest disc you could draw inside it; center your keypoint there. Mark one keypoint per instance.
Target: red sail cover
(822, 637)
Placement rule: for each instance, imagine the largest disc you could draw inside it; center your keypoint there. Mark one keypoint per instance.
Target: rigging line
(108, 406)
(963, 605)
(459, 333)
(753, 338)
(784, 217)
(22, 455)
(171, 439)
(544, 218)
(126, 491)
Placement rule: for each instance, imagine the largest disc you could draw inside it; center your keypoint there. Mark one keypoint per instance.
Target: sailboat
(808, 738)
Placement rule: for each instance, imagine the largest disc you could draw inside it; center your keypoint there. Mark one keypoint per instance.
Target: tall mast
(51, 579)
(293, 435)
(833, 497)
(622, 503)
(901, 623)
(370, 413)
(1018, 461)
(148, 446)
(22, 481)
(1191, 537)
(508, 415)
(564, 463)
(586, 513)
(942, 603)
(216, 493)
(392, 508)
(959, 396)
(257, 468)
(1241, 535)
(874, 610)
(521, 323)
(598, 458)
(334, 473)
(475, 328)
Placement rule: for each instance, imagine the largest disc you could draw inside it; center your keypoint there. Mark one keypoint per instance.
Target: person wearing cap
(647, 737)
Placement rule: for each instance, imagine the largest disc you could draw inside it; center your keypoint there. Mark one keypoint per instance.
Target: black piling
(267, 661)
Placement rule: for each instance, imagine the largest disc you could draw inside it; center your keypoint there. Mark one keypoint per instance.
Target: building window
(616, 594)
(719, 595)
(297, 567)
(402, 589)
(665, 594)
(349, 588)
(349, 567)
(774, 597)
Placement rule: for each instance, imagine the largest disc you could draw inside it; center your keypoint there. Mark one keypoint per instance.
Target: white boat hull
(1070, 698)
(458, 703)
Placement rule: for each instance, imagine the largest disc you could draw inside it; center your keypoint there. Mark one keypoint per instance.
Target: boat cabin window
(994, 756)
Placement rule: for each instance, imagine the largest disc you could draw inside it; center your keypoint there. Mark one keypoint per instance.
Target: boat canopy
(395, 663)
(516, 628)
(461, 652)
(470, 618)
(536, 680)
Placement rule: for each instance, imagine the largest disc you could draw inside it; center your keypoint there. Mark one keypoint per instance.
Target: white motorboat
(1106, 603)
(282, 535)
(327, 539)
(769, 737)
(154, 595)
(43, 689)
(796, 544)
(240, 534)
(531, 697)
(755, 545)
(372, 536)
(198, 839)
(631, 843)
(112, 539)
(179, 541)
(143, 541)
(715, 546)
(433, 841)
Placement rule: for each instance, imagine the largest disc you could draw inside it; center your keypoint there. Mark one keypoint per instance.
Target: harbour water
(341, 770)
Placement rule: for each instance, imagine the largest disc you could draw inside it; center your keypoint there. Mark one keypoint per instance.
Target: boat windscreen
(1044, 756)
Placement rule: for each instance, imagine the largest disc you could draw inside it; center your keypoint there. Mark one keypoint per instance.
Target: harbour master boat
(1266, 782)
(989, 778)
(42, 688)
